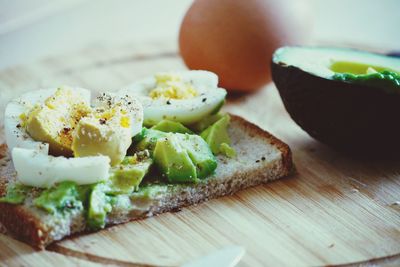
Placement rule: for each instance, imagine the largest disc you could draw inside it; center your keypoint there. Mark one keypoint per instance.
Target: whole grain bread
(260, 158)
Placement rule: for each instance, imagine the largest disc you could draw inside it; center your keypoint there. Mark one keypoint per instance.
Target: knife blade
(226, 257)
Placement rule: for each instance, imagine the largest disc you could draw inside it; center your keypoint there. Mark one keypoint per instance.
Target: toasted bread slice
(260, 158)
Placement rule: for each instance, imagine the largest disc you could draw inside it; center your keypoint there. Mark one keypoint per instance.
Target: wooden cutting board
(336, 210)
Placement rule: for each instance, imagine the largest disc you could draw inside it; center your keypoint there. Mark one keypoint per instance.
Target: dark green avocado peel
(352, 109)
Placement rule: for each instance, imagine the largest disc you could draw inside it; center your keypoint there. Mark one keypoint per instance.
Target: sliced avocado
(59, 198)
(140, 136)
(227, 150)
(199, 153)
(217, 134)
(126, 177)
(148, 139)
(205, 122)
(98, 207)
(16, 193)
(174, 161)
(345, 98)
(171, 126)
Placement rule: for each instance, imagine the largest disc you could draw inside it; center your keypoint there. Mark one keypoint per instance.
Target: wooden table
(336, 210)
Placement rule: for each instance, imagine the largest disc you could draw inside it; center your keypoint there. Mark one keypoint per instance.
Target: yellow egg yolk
(171, 86)
(54, 120)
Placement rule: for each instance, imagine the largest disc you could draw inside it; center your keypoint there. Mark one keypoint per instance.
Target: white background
(33, 29)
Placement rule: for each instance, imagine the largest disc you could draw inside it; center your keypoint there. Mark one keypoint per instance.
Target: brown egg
(236, 38)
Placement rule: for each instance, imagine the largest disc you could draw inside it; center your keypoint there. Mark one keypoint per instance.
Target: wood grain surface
(336, 210)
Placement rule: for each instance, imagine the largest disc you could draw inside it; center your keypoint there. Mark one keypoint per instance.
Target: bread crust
(23, 225)
(26, 226)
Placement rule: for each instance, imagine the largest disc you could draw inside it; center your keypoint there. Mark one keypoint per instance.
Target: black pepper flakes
(257, 161)
(66, 130)
(263, 158)
(102, 121)
(168, 102)
(204, 100)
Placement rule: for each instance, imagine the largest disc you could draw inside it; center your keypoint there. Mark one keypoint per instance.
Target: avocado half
(359, 115)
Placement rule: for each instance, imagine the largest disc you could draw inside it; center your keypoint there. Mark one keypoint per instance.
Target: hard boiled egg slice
(185, 96)
(110, 103)
(40, 170)
(16, 111)
(109, 129)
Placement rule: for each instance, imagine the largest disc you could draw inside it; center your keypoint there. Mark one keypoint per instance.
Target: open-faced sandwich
(71, 165)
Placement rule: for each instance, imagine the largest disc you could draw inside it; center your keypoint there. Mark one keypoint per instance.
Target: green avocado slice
(99, 206)
(16, 193)
(126, 177)
(217, 134)
(174, 161)
(169, 126)
(148, 139)
(199, 153)
(63, 196)
(205, 122)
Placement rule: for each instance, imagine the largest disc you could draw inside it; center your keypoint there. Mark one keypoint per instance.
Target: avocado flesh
(171, 126)
(99, 206)
(147, 139)
(217, 134)
(205, 122)
(199, 153)
(64, 195)
(367, 74)
(15, 194)
(126, 177)
(173, 161)
(190, 150)
(358, 118)
(355, 67)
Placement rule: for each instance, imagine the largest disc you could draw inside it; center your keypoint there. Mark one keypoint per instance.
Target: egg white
(208, 100)
(40, 170)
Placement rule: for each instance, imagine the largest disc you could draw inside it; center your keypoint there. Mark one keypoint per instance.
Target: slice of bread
(260, 158)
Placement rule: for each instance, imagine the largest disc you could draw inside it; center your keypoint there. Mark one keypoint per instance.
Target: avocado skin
(394, 54)
(358, 119)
